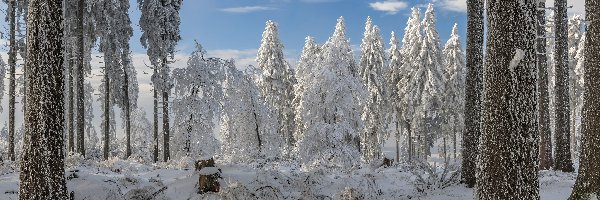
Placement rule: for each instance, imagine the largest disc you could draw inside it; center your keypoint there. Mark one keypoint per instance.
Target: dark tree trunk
(165, 95)
(106, 113)
(156, 144)
(507, 165)
(588, 181)
(545, 156)
(70, 98)
(473, 90)
(42, 173)
(12, 62)
(79, 82)
(562, 153)
(126, 103)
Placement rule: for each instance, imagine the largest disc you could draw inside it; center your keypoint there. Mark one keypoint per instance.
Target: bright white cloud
(242, 58)
(390, 7)
(454, 5)
(247, 9)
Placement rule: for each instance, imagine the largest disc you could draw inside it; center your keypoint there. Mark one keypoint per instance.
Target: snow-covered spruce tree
(373, 113)
(588, 181)
(545, 156)
(276, 82)
(246, 129)
(507, 165)
(69, 18)
(579, 73)
(108, 124)
(160, 26)
(562, 149)
(423, 92)
(79, 39)
(2, 71)
(92, 141)
(454, 77)
(393, 78)
(311, 54)
(330, 109)
(11, 19)
(197, 96)
(129, 87)
(42, 166)
(473, 91)
(114, 31)
(141, 130)
(574, 37)
(550, 58)
(410, 51)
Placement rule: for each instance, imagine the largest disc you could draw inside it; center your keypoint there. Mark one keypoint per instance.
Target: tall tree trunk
(562, 153)
(165, 95)
(507, 165)
(42, 167)
(156, 144)
(588, 181)
(70, 109)
(106, 113)
(473, 89)
(80, 81)
(126, 103)
(12, 62)
(545, 156)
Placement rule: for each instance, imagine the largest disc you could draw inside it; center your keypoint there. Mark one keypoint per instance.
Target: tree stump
(208, 180)
(387, 162)
(204, 163)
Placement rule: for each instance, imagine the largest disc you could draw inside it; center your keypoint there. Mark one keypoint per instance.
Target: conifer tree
(473, 91)
(42, 174)
(329, 112)
(588, 181)
(371, 72)
(276, 81)
(507, 165)
(562, 151)
(454, 77)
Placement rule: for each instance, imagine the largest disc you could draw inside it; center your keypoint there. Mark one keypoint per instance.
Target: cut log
(387, 162)
(200, 164)
(208, 180)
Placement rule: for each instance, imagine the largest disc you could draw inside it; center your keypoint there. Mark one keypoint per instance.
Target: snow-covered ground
(118, 179)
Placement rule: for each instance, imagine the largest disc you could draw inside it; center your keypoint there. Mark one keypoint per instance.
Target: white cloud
(247, 9)
(242, 58)
(390, 6)
(454, 5)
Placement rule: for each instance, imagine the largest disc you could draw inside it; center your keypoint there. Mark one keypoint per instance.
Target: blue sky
(233, 28)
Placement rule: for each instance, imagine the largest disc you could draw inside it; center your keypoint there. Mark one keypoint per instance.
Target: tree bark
(70, 109)
(42, 165)
(80, 82)
(473, 88)
(165, 95)
(588, 181)
(507, 165)
(156, 144)
(106, 113)
(562, 153)
(12, 62)
(545, 156)
(126, 103)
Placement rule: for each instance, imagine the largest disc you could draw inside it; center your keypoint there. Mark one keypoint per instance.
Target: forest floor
(128, 179)
(120, 179)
